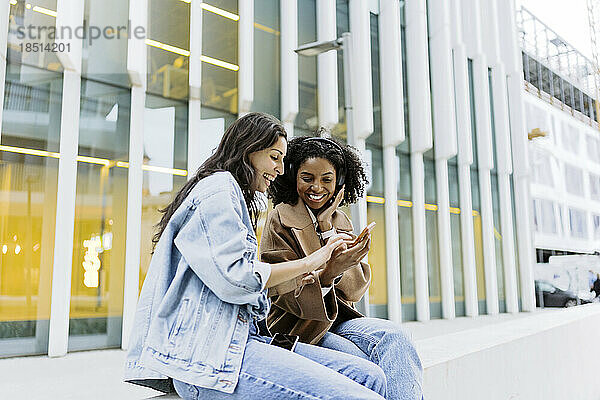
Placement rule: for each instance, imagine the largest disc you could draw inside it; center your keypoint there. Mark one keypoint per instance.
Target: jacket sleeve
(354, 283)
(215, 243)
(304, 301)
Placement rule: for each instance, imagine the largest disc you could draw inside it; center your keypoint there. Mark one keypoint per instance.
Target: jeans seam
(368, 338)
(306, 395)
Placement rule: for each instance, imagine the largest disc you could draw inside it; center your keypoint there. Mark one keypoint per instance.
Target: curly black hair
(283, 188)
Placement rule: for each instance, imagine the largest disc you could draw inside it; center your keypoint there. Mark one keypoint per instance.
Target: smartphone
(285, 341)
(362, 235)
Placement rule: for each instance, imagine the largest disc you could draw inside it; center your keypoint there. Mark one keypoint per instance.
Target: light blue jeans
(310, 372)
(386, 344)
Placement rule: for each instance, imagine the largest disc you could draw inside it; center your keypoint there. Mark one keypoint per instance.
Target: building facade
(565, 184)
(101, 128)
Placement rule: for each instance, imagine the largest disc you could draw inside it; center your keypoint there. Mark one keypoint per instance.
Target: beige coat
(289, 234)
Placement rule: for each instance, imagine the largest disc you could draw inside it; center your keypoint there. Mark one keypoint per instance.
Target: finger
(339, 197)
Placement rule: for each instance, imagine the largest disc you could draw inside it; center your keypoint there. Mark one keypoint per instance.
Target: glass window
(28, 184)
(577, 223)
(165, 127)
(22, 39)
(105, 57)
(574, 180)
(169, 46)
(220, 42)
(456, 238)
(343, 25)
(433, 258)
(306, 120)
(266, 57)
(544, 216)
(477, 232)
(405, 240)
(596, 222)
(595, 187)
(100, 217)
(496, 202)
(593, 148)
(374, 156)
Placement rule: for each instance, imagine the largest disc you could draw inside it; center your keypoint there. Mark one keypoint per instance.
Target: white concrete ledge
(548, 354)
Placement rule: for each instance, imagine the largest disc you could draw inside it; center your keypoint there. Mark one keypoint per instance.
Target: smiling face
(267, 164)
(315, 182)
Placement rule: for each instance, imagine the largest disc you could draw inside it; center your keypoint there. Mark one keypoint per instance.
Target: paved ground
(97, 374)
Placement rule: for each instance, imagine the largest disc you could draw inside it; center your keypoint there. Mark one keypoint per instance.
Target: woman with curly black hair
(320, 175)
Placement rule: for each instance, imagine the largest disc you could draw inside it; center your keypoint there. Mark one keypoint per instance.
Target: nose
(279, 167)
(315, 187)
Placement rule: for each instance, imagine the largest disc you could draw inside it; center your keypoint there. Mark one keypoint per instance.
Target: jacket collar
(296, 216)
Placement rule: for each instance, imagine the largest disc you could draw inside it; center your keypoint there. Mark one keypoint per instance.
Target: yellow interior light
(220, 11)
(454, 210)
(13, 2)
(32, 152)
(168, 47)
(46, 11)
(174, 171)
(219, 63)
(404, 203)
(375, 199)
(92, 160)
(431, 207)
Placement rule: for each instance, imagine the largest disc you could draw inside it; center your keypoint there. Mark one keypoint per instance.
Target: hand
(343, 260)
(324, 217)
(321, 256)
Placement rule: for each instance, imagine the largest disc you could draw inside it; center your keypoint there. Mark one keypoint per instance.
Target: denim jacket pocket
(174, 331)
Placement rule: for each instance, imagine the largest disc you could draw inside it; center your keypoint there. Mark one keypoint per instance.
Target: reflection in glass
(168, 67)
(28, 185)
(165, 127)
(41, 17)
(432, 243)
(456, 238)
(307, 120)
(100, 218)
(267, 84)
(105, 57)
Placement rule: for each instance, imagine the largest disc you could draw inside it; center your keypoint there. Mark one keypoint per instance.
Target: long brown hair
(252, 132)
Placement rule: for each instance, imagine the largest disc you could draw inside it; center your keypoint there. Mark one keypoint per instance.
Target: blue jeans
(386, 344)
(310, 372)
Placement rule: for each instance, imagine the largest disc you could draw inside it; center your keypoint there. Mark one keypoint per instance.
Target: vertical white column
(69, 13)
(289, 64)
(444, 130)
(465, 159)
(511, 54)
(245, 57)
(195, 80)
(4, 15)
(473, 33)
(362, 99)
(503, 155)
(327, 85)
(392, 127)
(136, 68)
(419, 115)
(360, 27)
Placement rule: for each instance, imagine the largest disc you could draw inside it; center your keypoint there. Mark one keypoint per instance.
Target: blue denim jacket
(203, 287)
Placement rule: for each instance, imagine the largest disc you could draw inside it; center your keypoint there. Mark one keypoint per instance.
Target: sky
(569, 19)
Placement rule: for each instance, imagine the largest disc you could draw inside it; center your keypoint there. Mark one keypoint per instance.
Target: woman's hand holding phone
(325, 216)
(347, 256)
(321, 256)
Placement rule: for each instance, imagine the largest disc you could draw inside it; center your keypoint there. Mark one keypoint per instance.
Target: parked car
(555, 297)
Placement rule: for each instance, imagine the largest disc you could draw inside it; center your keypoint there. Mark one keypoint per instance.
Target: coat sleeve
(354, 283)
(215, 244)
(304, 301)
